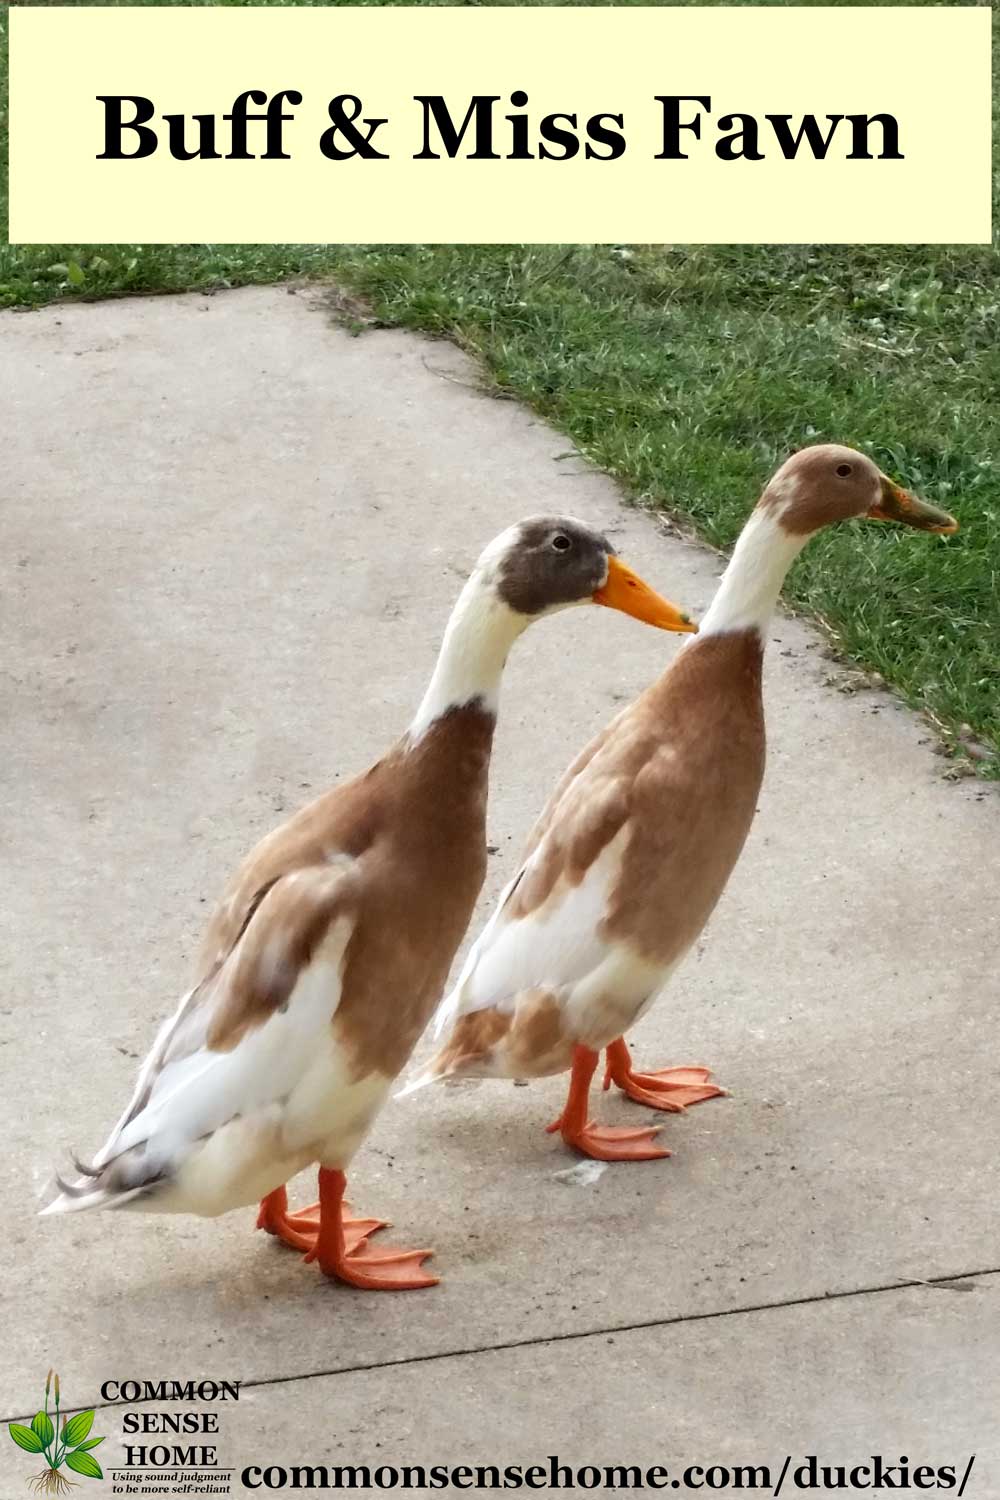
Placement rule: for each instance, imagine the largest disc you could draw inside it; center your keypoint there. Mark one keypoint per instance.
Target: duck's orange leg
(358, 1264)
(605, 1142)
(671, 1089)
(299, 1229)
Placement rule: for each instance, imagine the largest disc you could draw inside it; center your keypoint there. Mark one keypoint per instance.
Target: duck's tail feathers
(470, 1051)
(112, 1184)
(429, 1075)
(73, 1198)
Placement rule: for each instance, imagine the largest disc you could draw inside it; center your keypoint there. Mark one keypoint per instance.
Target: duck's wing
(546, 949)
(238, 1042)
(583, 812)
(586, 811)
(545, 935)
(546, 930)
(542, 953)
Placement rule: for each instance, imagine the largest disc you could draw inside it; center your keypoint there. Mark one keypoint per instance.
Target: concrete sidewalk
(232, 535)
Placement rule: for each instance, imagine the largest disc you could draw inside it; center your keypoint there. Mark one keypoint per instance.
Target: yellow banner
(648, 124)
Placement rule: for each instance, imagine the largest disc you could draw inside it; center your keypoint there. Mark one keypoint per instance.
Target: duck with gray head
(331, 945)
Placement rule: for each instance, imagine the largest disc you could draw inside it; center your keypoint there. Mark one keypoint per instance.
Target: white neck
(752, 582)
(477, 639)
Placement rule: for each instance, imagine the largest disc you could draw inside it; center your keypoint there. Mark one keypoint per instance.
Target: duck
(637, 842)
(332, 943)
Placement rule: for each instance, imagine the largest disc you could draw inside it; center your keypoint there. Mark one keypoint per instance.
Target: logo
(70, 1446)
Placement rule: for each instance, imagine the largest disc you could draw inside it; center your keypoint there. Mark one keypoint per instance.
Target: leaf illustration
(25, 1438)
(82, 1463)
(41, 1426)
(85, 1447)
(77, 1427)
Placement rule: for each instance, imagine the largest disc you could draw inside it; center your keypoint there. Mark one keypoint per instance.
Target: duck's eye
(561, 542)
(843, 470)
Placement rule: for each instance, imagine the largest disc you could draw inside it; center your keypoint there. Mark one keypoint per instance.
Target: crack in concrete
(957, 1281)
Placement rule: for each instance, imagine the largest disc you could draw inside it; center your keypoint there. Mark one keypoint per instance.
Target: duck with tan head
(635, 847)
(331, 945)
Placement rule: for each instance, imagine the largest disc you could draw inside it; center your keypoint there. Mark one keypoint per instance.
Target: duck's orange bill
(626, 591)
(897, 504)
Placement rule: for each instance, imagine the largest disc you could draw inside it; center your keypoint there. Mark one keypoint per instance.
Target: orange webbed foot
(611, 1142)
(300, 1230)
(603, 1142)
(376, 1270)
(338, 1244)
(669, 1089)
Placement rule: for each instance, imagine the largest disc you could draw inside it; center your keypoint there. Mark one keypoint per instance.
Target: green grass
(689, 373)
